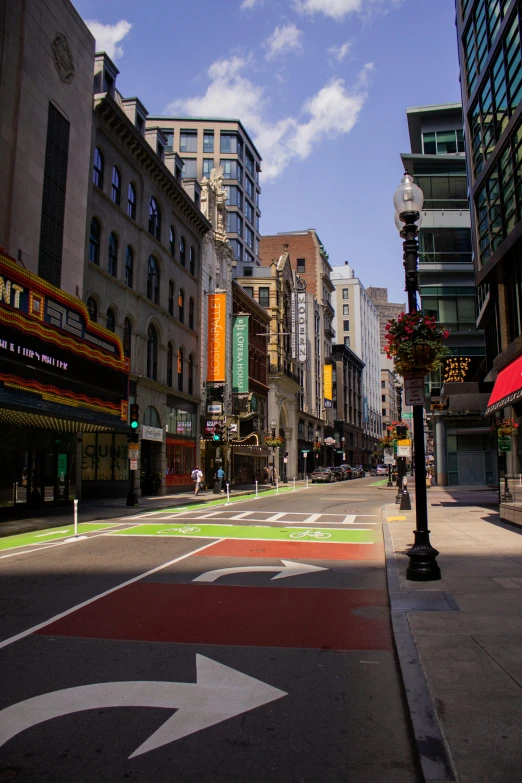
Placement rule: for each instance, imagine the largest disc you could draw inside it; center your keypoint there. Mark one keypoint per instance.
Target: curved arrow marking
(219, 693)
(289, 568)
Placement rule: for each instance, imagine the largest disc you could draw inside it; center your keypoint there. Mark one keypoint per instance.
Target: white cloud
(340, 52)
(338, 9)
(108, 36)
(331, 112)
(247, 4)
(283, 40)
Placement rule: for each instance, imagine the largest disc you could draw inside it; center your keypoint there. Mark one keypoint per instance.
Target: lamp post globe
(408, 198)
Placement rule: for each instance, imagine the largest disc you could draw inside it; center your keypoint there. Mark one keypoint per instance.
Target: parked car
(348, 470)
(379, 470)
(338, 473)
(323, 475)
(361, 471)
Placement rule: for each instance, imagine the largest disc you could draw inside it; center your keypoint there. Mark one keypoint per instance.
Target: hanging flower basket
(415, 342)
(386, 442)
(392, 430)
(505, 427)
(317, 446)
(276, 442)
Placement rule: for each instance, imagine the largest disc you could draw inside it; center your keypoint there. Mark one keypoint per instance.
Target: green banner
(240, 354)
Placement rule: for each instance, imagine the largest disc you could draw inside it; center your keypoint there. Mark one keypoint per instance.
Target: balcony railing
(445, 258)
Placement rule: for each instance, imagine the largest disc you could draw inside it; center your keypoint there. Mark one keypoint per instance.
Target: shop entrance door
(472, 468)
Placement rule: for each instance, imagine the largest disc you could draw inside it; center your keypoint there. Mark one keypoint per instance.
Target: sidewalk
(467, 629)
(111, 508)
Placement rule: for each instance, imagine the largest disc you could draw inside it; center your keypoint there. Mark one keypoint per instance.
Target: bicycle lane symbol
(310, 534)
(178, 530)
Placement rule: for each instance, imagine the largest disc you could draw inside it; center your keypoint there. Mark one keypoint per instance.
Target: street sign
(414, 388)
(504, 444)
(134, 464)
(407, 415)
(403, 450)
(389, 456)
(133, 451)
(305, 451)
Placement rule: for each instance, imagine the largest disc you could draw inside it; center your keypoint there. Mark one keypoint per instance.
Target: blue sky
(321, 85)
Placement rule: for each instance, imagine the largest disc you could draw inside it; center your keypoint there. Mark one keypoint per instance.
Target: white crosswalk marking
(241, 515)
(349, 519)
(275, 517)
(212, 514)
(311, 519)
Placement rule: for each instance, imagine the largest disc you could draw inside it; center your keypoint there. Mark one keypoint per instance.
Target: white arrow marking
(288, 568)
(220, 693)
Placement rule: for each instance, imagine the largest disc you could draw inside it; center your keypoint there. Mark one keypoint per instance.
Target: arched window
(151, 417)
(129, 266)
(181, 305)
(116, 186)
(92, 307)
(94, 242)
(153, 280)
(182, 251)
(97, 170)
(171, 297)
(152, 353)
(172, 242)
(180, 369)
(112, 265)
(191, 375)
(154, 219)
(110, 321)
(127, 337)
(192, 261)
(131, 201)
(170, 364)
(191, 313)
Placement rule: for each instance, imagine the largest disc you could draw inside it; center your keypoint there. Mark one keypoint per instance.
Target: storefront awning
(508, 387)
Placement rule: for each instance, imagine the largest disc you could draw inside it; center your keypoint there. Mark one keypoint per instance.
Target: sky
(322, 87)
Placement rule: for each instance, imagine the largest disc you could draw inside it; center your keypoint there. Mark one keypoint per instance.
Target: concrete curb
(434, 753)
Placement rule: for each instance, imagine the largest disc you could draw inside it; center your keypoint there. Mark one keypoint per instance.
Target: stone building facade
(143, 281)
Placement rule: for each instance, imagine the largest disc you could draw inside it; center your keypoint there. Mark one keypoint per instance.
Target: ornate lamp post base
(423, 565)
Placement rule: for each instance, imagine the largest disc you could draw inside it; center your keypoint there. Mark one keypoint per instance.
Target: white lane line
(67, 612)
(311, 519)
(241, 515)
(54, 533)
(349, 519)
(275, 517)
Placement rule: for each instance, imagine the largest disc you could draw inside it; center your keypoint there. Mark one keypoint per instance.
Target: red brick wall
(300, 246)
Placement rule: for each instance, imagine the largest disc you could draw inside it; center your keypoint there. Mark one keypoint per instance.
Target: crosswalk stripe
(309, 520)
(349, 519)
(275, 517)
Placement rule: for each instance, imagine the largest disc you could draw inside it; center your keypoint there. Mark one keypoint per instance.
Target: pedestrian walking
(197, 478)
(220, 473)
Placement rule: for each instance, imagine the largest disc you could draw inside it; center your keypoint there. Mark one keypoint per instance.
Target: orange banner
(217, 337)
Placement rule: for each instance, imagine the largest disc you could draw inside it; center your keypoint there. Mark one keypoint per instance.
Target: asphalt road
(238, 643)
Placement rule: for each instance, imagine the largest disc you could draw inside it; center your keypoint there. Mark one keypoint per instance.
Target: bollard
(277, 486)
(256, 491)
(294, 483)
(75, 518)
(228, 494)
(306, 482)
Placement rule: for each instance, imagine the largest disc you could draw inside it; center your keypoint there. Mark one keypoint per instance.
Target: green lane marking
(50, 534)
(252, 533)
(379, 483)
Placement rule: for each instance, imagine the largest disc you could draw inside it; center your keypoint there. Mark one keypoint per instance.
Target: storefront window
(104, 457)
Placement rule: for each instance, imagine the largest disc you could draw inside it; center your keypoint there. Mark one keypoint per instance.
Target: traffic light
(134, 416)
(217, 432)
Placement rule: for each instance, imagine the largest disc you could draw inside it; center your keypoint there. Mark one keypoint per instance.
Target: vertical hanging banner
(328, 385)
(294, 326)
(302, 337)
(217, 338)
(240, 354)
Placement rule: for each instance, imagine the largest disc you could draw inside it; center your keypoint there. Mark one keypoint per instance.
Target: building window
(347, 342)
(53, 202)
(231, 143)
(169, 135)
(191, 375)
(383, 384)
(170, 364)
(131, 201)
(249, 211)
(443, 142)
(208, 165)
(129, 266)
(182, 251)
(237, 249)
(192, 261)
(383, 398)
(112, 264)
(172, 242)
(116, 186)
(345, 293)
(171, 297)
(248, 271)
(248, 289)
(154, 219)
(249, 162)
(97, 169)
(92, 308)
(264, 296)
(249, 237)
(249, 187)
(94, 242)
(301, 265)
(234, 196)
(235, 223)
(110, 320)
(127, 338)
(232, 169)
(152, 353)
(445, 245)
(181, 306)
(480, 34)
(190, 169)
(180, 369)
(191, 313)
(346, 309)
(188, 141)
(346, 326)
(153, 280)
(208, 141)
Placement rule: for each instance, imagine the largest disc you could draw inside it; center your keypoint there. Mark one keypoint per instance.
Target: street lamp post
(273, 425)
(408, 200)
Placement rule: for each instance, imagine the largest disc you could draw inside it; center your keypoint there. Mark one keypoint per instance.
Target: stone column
(441, 459)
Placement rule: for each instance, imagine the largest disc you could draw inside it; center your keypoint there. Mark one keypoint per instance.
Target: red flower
(446, 333)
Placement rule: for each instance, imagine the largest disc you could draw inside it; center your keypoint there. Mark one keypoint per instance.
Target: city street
(241, 642)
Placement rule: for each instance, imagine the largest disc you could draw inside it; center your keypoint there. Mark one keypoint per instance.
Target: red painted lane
(244, 616)
(295, 550)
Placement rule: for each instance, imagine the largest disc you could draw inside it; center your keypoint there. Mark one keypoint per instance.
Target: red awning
(508, 387)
